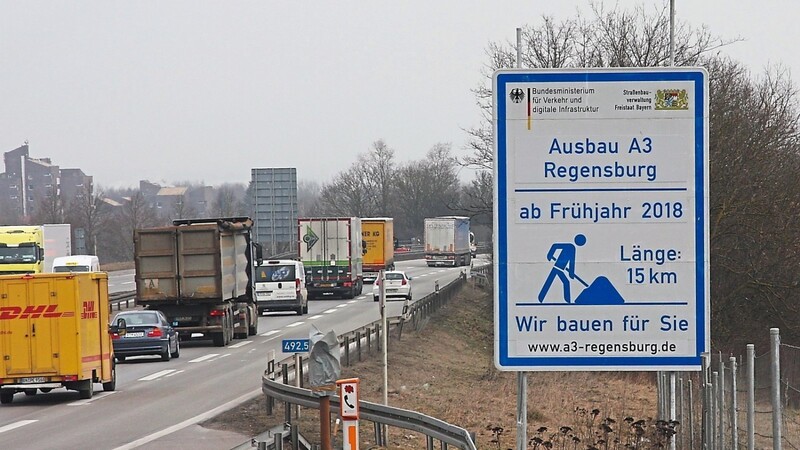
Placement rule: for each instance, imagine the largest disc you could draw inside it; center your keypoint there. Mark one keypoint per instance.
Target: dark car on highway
(145, 333)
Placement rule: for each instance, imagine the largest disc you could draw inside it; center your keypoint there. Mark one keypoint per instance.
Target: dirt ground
(446, 370)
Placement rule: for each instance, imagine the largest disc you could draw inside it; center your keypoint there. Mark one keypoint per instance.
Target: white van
(280, 285)
(76, 263)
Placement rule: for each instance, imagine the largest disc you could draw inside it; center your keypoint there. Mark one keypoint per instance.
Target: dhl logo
(32, 312)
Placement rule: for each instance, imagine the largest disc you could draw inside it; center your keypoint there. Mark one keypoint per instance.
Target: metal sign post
(601, 215)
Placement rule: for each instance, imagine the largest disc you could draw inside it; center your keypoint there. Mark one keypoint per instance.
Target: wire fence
(746, 401)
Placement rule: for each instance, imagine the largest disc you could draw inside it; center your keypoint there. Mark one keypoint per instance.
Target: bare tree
(365, 189)
(88, 211)
(308, 195)
(49, 207)
(426, 188)
(133, 215)
(227, 202)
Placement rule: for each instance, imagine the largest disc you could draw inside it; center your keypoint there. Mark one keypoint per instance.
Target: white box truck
(332, 251)
(447, 241)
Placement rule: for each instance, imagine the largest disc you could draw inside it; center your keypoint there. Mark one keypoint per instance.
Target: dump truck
(54, 333)
(199, 273)
(447, 241)
(332, 252)
(378, 236)
(32, 248)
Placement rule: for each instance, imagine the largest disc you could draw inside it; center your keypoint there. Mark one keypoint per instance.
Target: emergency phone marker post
(348, 400)
(601, 194)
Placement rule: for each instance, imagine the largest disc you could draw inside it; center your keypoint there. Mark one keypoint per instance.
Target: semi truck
(199, 273)
(54, 333)
(378, 236)
(447, 241)
(332, 252)
(32, 248)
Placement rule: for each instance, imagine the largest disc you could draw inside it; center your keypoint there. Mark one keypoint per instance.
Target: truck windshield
(266, 274)
(17, 255)
(71, 269)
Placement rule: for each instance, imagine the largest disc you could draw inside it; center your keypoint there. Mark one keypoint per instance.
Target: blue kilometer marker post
(295, 345)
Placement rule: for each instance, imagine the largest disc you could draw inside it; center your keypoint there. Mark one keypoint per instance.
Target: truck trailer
(332, 251)
(54, 333)
(447, 241)
(378, 236)
(199, 273)
(32, 248)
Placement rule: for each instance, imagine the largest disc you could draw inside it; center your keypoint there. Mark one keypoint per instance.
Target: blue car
(145, 333)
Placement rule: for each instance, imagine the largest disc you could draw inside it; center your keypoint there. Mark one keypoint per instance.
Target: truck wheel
(219, 339)
(299, 310)
(305, 308)
(88, 390)
(253, 330)
(30, 392)
(6, 396)
(111, 385)
(120, 358)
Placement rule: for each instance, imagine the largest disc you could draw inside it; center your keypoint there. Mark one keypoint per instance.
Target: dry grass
(446, 370)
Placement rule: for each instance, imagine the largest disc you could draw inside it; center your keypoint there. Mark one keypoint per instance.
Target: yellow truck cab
(32, 248)
(54, 332)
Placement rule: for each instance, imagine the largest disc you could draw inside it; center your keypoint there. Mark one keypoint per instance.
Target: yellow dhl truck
(55, 332)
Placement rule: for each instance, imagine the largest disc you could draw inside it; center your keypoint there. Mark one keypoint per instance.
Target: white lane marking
(423, 275)
(295, 324)
(353, 301)
(223, 356)
(14, 425)
(240, 344)
(332, 310)
(362, 297)
(343, 305)
(128, 282)
(270, 333)
(87, 401)
(315, 317)
(204, 357)
(443, 270)
(188, 422)
(157, 375)
(174, 373)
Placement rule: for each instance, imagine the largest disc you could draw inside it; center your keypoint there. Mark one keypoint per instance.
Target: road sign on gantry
(601, 215)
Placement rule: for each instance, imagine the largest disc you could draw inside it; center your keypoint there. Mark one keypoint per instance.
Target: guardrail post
(287, 407)
(278, 442)
(295, 435)
(369, 340)
(358, 345)
(378, 339)
(347, 350)
(430, 444)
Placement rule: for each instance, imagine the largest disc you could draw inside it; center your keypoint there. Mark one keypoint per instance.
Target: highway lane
(121, 281)
(154, 398)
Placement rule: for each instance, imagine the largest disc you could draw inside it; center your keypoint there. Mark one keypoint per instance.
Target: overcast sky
(203, 91)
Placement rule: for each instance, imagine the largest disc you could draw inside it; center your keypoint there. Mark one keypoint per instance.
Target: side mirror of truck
(119, 328)
(259, 253)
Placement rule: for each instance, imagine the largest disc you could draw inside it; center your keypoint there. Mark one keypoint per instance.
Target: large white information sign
(601, 219)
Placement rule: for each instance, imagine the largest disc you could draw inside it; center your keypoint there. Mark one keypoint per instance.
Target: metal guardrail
(119, 299)
(354, 341)
(388, 415)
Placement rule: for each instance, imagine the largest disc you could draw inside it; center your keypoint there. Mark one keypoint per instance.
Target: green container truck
(332, 251)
